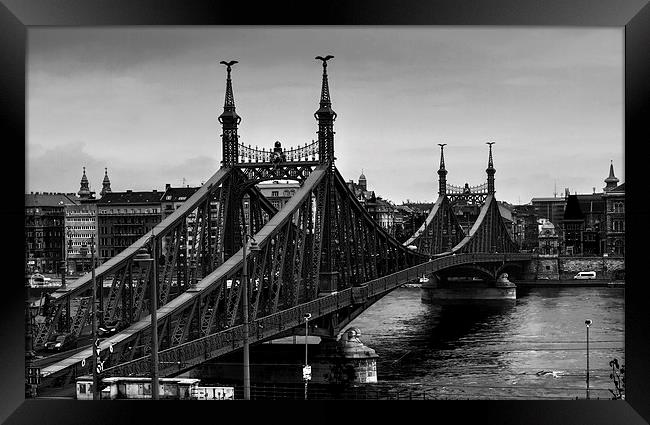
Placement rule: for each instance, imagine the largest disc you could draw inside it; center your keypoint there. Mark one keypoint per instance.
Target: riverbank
(548, 283)
(542, 283)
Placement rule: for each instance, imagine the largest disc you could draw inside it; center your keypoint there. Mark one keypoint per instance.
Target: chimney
(168, 186)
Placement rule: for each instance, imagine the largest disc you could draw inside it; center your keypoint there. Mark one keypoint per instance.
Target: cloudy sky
(144, 102)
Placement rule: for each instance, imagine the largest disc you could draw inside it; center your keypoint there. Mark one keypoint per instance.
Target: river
(531, 348)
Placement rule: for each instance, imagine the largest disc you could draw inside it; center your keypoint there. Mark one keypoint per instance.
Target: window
(147, 389)
(275, 193)
(82, 388)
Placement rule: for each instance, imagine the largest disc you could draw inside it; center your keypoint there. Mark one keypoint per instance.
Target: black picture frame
(17, 16)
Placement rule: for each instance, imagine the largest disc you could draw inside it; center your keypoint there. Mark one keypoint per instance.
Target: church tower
(84, 190)
(611, 181)
(106, 183)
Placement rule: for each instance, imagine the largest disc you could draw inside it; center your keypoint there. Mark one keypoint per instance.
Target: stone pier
(345, 360)
(439, 289)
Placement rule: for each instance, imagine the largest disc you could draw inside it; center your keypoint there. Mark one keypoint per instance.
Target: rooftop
(130, 197)
(50, 199)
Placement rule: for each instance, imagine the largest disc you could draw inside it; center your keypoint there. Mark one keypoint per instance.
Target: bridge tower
(490, 171)
(442, 172)
(325, 116)
(229, 121)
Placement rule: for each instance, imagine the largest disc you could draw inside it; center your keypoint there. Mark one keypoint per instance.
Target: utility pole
(154, 323)
(94, 334)
(306, 370)
(588, 323)
(244, 277)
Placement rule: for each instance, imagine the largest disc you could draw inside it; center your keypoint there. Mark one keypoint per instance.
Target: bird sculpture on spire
(324, 59)
(229, 64)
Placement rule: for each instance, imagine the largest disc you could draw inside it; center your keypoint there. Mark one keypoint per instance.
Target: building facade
(45, 230)
(278, 193)
(615, 214)
(81, 229)
(547, 239)
(124, 217)
(525, 230)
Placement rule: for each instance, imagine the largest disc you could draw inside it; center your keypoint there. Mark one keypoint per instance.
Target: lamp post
(244, 277)
(143, 255)
(306, 370)
(94, 313)
(588, 323)
(31, 381)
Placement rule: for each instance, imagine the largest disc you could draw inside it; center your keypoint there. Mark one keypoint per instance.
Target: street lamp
(588, 323)
(143, 255)
(306, 371)
(94, 313)
(244, 277)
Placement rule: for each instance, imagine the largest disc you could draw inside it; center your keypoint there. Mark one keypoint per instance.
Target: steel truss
(489, 233)
(347, 303)
(193, 241)
(321, 231)
(440, 231)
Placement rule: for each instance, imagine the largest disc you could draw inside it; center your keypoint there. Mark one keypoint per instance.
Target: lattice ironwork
(306, 153)
(471, 195)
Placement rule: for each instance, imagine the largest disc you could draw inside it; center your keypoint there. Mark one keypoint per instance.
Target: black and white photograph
(325, 213)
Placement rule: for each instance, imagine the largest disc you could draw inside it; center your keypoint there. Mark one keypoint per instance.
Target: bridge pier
(339, 362)
(467, 290)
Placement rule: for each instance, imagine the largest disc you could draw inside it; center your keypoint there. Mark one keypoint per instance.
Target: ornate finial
(442, 155)
(230, 98)
(490, 164)
(325, 90)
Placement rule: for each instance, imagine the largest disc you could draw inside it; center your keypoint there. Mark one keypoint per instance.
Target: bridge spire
(325, 116)
(229, 121)
(490, 171)
(442, 172)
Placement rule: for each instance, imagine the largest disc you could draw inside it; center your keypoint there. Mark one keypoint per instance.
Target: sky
(144, 102)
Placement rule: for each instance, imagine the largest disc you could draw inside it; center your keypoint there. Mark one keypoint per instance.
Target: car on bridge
(585, 275)
(110, 329)
(62, 342)
(38, 279)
